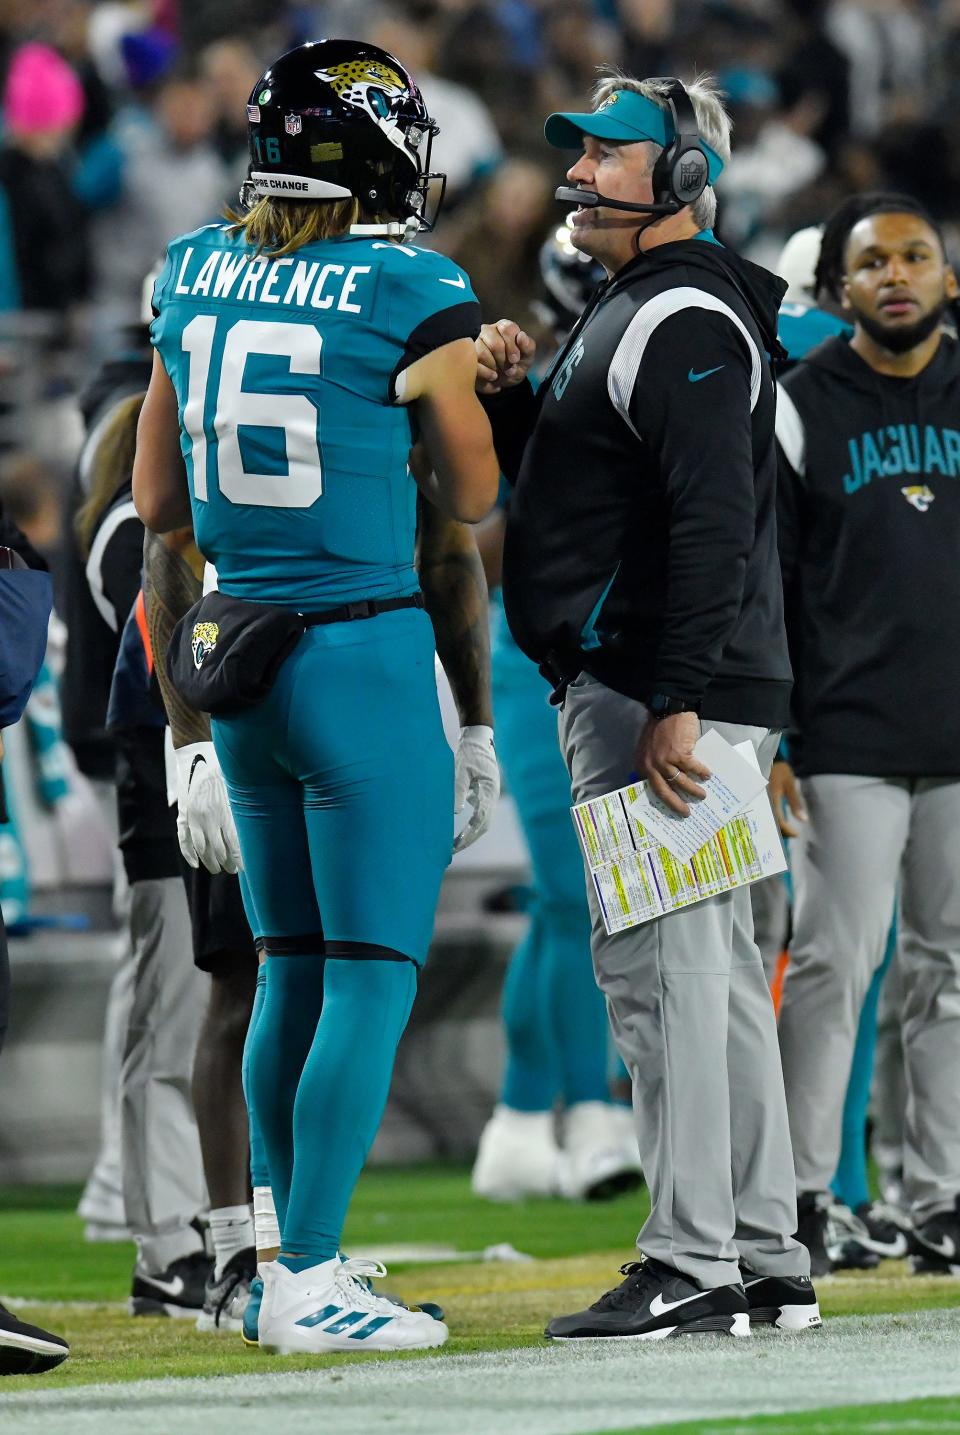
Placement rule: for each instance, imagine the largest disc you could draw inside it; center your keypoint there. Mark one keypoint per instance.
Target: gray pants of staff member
(862, 835)
(770, 902)
(163, 1184)
(691, 1015)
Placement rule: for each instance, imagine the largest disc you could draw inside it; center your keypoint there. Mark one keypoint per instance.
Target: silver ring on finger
(673, 777)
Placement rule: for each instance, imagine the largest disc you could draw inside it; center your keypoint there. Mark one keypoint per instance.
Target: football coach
(641, 573)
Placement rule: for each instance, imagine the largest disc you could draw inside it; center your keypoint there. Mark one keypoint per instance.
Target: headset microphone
(587, 199)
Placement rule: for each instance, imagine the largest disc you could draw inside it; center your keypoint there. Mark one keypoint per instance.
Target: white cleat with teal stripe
(329, 1307)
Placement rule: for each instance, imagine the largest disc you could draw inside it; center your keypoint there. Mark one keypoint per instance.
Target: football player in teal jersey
(300, 350)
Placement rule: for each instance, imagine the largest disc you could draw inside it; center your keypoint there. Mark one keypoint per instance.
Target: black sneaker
(226, 1299)
(26, 1349)
(812, 1230)
(178, 1291)
(787, 1302)
(653, 1302)
(887, 1229)
(935, 1244)
(848, 1241)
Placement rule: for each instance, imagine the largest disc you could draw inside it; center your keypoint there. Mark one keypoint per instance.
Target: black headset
(682, 170)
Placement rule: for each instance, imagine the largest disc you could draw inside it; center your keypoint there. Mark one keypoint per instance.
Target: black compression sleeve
(512, 416)
(459, 321)
(691, 403)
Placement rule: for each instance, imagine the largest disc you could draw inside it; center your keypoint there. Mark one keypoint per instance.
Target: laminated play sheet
(637, 877)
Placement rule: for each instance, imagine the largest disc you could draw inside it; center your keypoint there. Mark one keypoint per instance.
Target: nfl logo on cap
(293, 124)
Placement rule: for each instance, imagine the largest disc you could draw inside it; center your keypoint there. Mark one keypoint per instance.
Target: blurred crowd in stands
(124, 123)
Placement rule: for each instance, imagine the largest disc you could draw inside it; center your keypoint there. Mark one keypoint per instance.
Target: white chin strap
(392, 230)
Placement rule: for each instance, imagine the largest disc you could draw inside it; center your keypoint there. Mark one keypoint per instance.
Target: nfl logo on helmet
(293, 124)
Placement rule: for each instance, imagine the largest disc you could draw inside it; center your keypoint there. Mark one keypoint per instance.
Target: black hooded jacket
(869, 520)
(641, 537)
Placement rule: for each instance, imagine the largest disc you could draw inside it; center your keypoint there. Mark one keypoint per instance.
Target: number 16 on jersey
(295, 417)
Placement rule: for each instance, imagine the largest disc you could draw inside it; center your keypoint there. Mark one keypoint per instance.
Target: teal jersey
(284, 370)
(800, 327)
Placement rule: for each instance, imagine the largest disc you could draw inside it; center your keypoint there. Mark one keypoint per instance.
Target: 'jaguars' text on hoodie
(869, 536)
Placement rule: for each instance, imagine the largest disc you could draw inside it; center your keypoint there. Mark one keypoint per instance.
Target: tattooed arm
(455, 596)
(172, 583)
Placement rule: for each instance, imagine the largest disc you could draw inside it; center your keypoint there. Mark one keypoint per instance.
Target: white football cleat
(517, 1156)
(329, 1307)
(600, 1157)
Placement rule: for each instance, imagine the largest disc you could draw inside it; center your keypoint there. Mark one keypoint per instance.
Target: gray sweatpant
(691, 1015)
(888, 1092)
(163, 1183)
(770, 902)
(862, 835)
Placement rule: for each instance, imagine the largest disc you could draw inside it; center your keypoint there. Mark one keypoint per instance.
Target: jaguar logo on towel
(203, 641)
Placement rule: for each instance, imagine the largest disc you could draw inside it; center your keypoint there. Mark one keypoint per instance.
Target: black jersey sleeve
(459, 321)
(691, 406)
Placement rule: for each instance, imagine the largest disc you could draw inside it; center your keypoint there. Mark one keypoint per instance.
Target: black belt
(558, 675)
(365, 608)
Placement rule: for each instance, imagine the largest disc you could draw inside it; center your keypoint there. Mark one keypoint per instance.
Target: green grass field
(492, 1307)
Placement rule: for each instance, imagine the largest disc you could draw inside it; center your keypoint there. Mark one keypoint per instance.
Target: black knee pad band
(309, 944)
(365, 952)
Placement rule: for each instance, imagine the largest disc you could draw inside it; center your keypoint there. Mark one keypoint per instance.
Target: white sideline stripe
(107, 529)
(21, 1302)
(791, 435)
(562, 1389)
(625, 364)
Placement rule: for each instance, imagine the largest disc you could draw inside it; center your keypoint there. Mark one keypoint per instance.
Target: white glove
(476, 778)
(205, 826)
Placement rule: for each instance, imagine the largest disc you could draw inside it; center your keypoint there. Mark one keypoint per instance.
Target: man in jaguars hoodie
(869, 533)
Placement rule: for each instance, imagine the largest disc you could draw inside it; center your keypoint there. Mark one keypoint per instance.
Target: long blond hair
(111, 464)
(276, 227)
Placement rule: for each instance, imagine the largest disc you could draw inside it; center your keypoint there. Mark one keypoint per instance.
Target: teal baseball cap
(624, 117)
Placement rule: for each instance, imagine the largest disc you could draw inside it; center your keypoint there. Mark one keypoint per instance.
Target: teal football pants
(556, 1021)
(341, 785)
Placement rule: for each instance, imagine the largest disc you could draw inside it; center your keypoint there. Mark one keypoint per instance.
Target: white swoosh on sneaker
(658, 1306)
(171, 1288)
(944, 1247)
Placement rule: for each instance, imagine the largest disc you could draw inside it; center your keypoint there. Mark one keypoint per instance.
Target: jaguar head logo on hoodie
(919, 495)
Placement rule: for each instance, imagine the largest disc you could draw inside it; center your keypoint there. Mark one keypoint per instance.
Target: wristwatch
(661, 706)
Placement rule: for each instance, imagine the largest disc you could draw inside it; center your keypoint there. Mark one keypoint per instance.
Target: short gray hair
(713, 122)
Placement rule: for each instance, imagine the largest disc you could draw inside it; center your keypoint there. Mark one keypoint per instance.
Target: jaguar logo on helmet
(203, 640)
(293, 124)
(351, 80)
